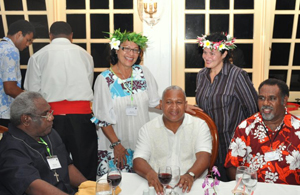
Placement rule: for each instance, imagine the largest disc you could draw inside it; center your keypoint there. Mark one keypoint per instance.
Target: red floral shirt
(251, 143)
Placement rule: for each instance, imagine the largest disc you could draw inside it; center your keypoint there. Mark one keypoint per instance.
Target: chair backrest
(2, 130)
(214, 134)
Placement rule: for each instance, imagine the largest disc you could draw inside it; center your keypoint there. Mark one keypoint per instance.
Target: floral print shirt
(9, 71)
(251, 143)
(121, 88)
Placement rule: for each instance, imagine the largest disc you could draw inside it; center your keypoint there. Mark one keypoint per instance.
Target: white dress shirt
(159, 146)
(61, 71)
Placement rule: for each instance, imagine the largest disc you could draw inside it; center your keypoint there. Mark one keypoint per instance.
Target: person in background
(269, 140)
(33, 158)
(223, 91)
(63, 73)
(122, 96)
(174, 138)
(19, 36)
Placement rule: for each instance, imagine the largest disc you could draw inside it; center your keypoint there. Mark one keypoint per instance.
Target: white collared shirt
(61, 71)
(159, 146)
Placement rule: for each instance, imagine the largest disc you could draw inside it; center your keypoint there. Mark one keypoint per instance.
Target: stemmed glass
(239, 176)
(165, 176)
(250, 180)
(175, 179)
(115, 176)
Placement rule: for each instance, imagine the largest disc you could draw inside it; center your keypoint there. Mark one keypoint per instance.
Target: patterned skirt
(106, 161)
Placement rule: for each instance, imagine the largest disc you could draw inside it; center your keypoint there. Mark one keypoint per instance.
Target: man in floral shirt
(268, 141)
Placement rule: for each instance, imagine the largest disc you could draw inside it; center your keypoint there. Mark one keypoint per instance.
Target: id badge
(272, 156)
(131, 110)
(53, 162)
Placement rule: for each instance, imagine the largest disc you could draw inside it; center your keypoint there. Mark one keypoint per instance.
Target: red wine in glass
(115, 179)
(165, 178)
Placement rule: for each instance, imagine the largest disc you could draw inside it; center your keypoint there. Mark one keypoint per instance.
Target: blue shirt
(9, 71)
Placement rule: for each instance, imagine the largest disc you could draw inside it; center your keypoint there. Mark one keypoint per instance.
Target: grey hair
(173, 87)
(23, 104)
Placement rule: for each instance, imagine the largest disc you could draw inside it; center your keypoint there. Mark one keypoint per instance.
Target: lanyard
(47, 147)
(267, 132)
(130, 90)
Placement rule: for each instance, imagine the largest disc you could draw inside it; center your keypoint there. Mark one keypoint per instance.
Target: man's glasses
(47, 116)
(128, 50)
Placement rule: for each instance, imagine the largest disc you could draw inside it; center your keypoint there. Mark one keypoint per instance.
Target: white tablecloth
(133, 184)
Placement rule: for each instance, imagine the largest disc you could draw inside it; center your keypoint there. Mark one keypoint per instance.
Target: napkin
(89, 188)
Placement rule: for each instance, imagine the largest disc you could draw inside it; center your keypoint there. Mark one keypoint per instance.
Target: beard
(267, 117)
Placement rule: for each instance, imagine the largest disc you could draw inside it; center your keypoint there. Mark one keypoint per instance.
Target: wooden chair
(214, 134)
(2, 130)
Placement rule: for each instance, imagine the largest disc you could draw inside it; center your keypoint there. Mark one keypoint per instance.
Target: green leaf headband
(223, 44)
(118, 37)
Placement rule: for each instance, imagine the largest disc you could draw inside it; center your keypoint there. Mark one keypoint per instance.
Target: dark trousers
(4, 122)
(79, 135)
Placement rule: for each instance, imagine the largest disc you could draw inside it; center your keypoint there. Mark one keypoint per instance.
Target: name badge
(131, 110)
(272, 155)
(53, 162)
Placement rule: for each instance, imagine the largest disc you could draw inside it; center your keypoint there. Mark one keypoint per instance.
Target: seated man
(33, 159)
(175, 138)
(268, 141)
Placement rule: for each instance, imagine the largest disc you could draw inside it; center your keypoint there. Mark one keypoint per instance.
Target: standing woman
(224, 91)
(122, 96)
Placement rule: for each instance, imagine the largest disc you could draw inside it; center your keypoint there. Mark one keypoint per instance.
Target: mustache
(266, 107)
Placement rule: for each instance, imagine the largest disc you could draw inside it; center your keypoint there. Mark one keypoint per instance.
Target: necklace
(122, 73)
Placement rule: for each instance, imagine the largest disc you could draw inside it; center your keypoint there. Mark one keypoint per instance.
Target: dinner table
(133, 184)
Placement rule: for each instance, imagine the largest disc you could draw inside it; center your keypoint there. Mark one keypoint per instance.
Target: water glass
(250, 180)
(239, 175)
(103, 187)
(175, 179)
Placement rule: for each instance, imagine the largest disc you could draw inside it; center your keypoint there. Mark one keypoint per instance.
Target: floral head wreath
(223, 44)
(118, 37)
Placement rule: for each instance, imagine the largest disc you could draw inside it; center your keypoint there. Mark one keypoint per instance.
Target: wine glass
(175, 179)
(115, 176)
(250, 180)
(239, 176)
(103, 187)
(164, 176)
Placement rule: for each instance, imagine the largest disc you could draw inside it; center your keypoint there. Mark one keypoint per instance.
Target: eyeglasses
(128, 50)
(47, 116)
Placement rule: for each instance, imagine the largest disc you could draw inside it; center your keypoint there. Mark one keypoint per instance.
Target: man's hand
(153, 180)
(119, 156)
(186, 182)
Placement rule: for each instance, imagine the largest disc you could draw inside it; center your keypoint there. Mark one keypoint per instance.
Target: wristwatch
(191, 174)
(112, 146)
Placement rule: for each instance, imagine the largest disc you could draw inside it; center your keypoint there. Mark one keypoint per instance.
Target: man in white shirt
(175, 138)
(63, 73)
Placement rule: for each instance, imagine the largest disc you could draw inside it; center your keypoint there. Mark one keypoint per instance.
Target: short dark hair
(21, 25)
(216, 37)
(60, 28)
(284, 90)
(114, 57)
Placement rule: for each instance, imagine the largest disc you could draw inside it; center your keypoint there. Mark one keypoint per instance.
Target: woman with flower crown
(122, 95)
(224, 91)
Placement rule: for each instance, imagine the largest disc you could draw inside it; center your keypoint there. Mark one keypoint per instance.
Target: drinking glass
(239, 175)
(103, 187)
(175, 179)
(165, 176)
(115, 176)
(250, 180)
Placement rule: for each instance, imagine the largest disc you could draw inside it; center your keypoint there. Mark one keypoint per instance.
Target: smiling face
(127, 58)
(213, 58)
(173, 106)
(270, 103)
